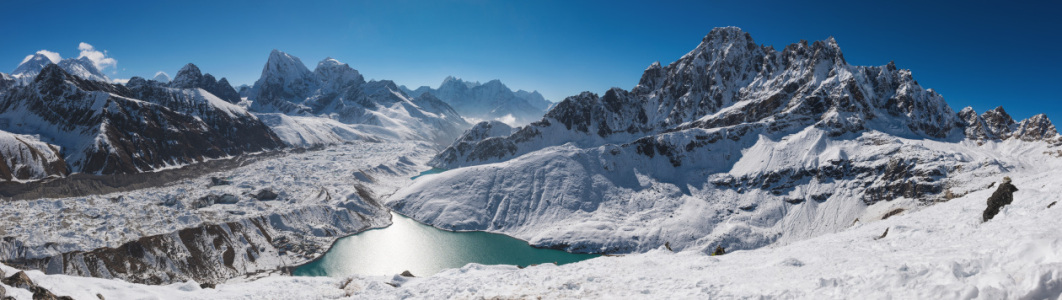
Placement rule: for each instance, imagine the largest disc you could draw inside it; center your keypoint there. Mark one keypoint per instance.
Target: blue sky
(976, 53)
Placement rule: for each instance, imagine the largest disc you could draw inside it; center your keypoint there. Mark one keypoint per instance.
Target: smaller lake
(425, 250)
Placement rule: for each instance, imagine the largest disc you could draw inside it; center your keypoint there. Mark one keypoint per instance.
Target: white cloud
(507, 119)
(120, 80)
(52, 56)
(98, 58)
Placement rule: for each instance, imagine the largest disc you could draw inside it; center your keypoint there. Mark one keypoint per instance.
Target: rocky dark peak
(1035, 128)
(53, 80)
(998, 122)
(135, 82)
(190, 77)
(728, 80)
(225, 82)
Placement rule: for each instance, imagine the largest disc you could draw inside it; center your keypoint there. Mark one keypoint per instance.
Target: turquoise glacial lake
(425, 250)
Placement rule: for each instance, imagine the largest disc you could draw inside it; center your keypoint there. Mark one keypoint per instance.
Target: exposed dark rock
(996, 124)
(265, 195)
(212, 199)
(719, 250)
(1003, 196)
(207, 285)
(215, 181)
(406, 273)
(19, 280)
(1052, 204)
(892, 213)
(883, 234)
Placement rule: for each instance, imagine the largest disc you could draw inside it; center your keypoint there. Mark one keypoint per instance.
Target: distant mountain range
(64, 117)
(488, 101)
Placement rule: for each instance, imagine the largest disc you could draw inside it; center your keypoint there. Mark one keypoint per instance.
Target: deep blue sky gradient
(977, 53)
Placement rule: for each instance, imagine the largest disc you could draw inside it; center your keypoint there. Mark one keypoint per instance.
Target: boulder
(265, 194)
(19, 280)
(1003, 195)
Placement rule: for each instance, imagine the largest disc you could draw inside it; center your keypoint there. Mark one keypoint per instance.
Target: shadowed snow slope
(733, 145)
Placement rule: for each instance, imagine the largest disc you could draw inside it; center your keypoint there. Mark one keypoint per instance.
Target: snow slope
(735, 144)
(740, 194)
(24, 157)
(170, 233)
(940, 251)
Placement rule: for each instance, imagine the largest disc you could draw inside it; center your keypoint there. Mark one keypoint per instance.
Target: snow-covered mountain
(996, 124)
(734, 144)
(161, 77)
(6, 82)
(24, 157)
(336, 91)
(102, 128)
(189, 77)
(488, 101)
(80, 67)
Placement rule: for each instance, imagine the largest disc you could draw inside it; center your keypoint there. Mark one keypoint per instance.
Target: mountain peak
(83, 68)
(284, 65)
(188, 77)
(161, 76)
(33, 64)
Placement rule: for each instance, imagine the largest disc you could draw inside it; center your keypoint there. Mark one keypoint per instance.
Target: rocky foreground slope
(734, 144)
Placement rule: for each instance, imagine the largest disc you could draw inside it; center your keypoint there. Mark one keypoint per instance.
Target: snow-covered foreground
(942, 251)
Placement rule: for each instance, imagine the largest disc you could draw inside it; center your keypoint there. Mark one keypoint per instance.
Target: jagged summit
(190, 77)
(337, 91)
(729, 80)
(997, 124)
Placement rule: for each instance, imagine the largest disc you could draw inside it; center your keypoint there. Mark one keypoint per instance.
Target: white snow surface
(940, 251)
(321, 180)
(609, 199)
